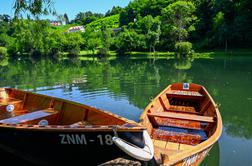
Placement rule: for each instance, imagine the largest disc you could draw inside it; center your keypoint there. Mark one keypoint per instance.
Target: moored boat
(50, 131)
(184, 123)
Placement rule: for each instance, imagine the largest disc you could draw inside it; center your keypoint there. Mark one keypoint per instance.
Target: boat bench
(183, 109)
(182, 116)
(185, 94)
(178, 137)
(33, 117)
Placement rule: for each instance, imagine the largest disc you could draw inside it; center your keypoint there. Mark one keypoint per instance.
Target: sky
(71, 7)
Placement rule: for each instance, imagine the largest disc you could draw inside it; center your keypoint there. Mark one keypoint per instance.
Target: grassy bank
(206, 54)
(222, 53)
(132, 55)
(167, 55)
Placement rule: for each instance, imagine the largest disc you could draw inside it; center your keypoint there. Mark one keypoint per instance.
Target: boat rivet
(43, 122)
(10, 108)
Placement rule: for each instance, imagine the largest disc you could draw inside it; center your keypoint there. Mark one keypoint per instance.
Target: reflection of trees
(138, 80)
(3, 61)
(229, 82)
(183, 64)
(31, 75)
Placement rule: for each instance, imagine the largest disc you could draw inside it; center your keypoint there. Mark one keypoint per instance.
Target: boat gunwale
(136, 126)
(197, 148)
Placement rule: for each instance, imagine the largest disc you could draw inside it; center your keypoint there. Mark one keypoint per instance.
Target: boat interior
(179, 119)
(20, 107)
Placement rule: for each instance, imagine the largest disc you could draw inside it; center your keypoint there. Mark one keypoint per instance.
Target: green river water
(126, 86)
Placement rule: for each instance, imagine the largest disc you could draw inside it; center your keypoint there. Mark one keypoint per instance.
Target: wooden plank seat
(179, 123)
(183, 109)
(33, 117)
(182, 116)
(184, 137)
(184, 94)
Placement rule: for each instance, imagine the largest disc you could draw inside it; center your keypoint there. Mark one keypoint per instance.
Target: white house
(76, 29)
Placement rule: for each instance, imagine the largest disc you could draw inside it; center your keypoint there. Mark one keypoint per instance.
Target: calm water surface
(125, 87)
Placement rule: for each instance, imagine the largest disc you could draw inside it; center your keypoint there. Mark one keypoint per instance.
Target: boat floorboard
(179, 135)
(167, 150)
(122, 161)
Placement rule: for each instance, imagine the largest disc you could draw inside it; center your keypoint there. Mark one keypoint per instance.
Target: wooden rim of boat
(130, 126)
(199, 147)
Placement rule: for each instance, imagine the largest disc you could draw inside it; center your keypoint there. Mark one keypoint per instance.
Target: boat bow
(144, 154)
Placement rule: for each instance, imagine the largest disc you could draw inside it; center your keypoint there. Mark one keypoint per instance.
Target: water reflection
(126, 86)
(183, 64)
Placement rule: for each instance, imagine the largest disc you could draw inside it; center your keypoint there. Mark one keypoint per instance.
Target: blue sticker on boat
(186, 86)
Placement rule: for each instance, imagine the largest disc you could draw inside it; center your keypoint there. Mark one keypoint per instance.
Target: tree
(178, 19)
(5, 18)
(92, 39)
(35, 7)
(142, 8)
(150, 27)
(87, 17)
(106, 38)
(72, 43)
(5, 30)
(129, 40)
(205, 11)
(66, 18)
(115, 10)
(30, 37)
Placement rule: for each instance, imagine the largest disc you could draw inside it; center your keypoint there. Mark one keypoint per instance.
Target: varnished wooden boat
(51, 131)
(184, 123)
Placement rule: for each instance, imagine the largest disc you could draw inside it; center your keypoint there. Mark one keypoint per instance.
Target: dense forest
(143, 25)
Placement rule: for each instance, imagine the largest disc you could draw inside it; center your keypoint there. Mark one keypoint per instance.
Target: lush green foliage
(143, 25)
(183, 49)
(178, 20)
(86, 17)
(3, 52)
(34, 7)
(72, 43)
(110, 22)
(39, 38)
(115, 10)
(128, 40)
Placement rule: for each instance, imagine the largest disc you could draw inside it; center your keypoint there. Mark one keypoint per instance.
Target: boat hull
(45, 130)
(184, 123)
(195, 159)
(62, 147)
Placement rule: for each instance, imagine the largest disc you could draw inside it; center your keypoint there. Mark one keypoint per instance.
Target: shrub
(72, 43)
(183, 49)
(3, 52)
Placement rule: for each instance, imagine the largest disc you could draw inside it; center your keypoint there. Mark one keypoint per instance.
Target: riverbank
(206, 54)
(222, 53)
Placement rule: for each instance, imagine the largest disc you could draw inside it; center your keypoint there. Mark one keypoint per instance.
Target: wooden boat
(184, 123)
(51, 131)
